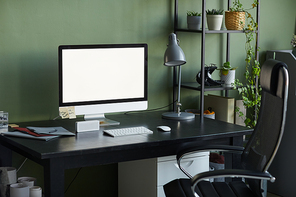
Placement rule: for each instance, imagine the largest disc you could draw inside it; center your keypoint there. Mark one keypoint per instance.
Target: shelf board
(211, 31)
(196, 86)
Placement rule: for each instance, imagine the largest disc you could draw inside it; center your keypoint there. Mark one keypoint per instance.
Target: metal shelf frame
(203, 32)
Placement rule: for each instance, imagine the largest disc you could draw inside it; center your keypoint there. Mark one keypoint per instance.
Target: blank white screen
(102, 74)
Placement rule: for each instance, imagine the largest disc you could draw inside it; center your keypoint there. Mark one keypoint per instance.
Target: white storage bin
(146, 178)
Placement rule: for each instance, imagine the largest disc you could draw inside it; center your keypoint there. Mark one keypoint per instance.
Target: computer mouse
(164, 128)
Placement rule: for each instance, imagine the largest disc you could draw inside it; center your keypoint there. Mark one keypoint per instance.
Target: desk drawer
(173, 157)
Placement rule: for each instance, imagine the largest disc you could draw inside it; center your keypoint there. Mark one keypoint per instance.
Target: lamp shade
(174, 55)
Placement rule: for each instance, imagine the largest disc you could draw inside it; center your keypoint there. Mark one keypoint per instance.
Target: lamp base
(178, 116)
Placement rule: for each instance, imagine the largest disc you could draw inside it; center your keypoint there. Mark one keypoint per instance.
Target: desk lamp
(174, 56)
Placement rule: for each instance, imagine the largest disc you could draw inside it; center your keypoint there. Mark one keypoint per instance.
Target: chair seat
(182, 188)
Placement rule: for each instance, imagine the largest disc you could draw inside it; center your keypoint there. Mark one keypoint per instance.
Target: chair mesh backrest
(263, 144)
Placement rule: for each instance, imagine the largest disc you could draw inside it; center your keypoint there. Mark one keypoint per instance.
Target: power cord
(22, 164)
(56, 117)
(73, 180)
(155, 109)
(149, 110)
(68, 185)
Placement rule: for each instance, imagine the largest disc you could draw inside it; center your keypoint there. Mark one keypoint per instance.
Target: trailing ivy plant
(237, 7)
(250, 91)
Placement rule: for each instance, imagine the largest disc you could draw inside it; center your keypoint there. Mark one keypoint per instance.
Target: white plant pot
(229, 78)
(214, 22)
(193, 22)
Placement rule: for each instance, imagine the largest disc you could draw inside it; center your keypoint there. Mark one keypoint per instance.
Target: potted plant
(235, 17)
(227, 74)
(193, 20)
(214, 19)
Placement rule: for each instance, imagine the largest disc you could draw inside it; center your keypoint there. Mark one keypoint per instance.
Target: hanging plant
(235, 17)
(250, 91)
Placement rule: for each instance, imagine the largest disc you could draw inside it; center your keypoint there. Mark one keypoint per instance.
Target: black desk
(94, 148)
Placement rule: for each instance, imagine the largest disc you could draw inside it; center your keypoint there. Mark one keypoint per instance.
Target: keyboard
(128, 131)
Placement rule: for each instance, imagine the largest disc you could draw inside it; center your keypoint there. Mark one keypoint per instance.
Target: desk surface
(96, 142)
(94, 148)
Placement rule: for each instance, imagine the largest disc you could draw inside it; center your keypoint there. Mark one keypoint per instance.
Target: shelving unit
(195, 86)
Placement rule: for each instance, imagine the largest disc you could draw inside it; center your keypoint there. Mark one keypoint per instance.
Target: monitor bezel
(101, 102)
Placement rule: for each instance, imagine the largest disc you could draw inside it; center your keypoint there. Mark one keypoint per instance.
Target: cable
(155, 109)
(22, 164)
(139, 111)
(73, 180)
(124, 113)
(56, 117)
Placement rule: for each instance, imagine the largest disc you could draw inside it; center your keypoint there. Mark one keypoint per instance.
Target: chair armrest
(233, 173)
(191, 148)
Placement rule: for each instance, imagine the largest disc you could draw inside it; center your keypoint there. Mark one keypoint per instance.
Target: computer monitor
(104, 78)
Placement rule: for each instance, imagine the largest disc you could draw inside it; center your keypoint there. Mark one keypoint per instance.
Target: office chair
(258, 153)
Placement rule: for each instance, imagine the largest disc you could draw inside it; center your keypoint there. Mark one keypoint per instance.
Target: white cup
(35, 191)
(29, 181)
(8, 175)
(19, 190)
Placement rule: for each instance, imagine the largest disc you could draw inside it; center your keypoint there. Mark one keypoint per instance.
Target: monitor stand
(101, 117)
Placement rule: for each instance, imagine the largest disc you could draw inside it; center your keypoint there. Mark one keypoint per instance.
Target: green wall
(31, 31)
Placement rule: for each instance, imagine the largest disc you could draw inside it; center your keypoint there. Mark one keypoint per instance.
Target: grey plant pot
(193, 22)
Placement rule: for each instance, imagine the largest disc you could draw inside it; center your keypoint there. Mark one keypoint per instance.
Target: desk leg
(232, 161)
(54, 178)
(5, 156)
